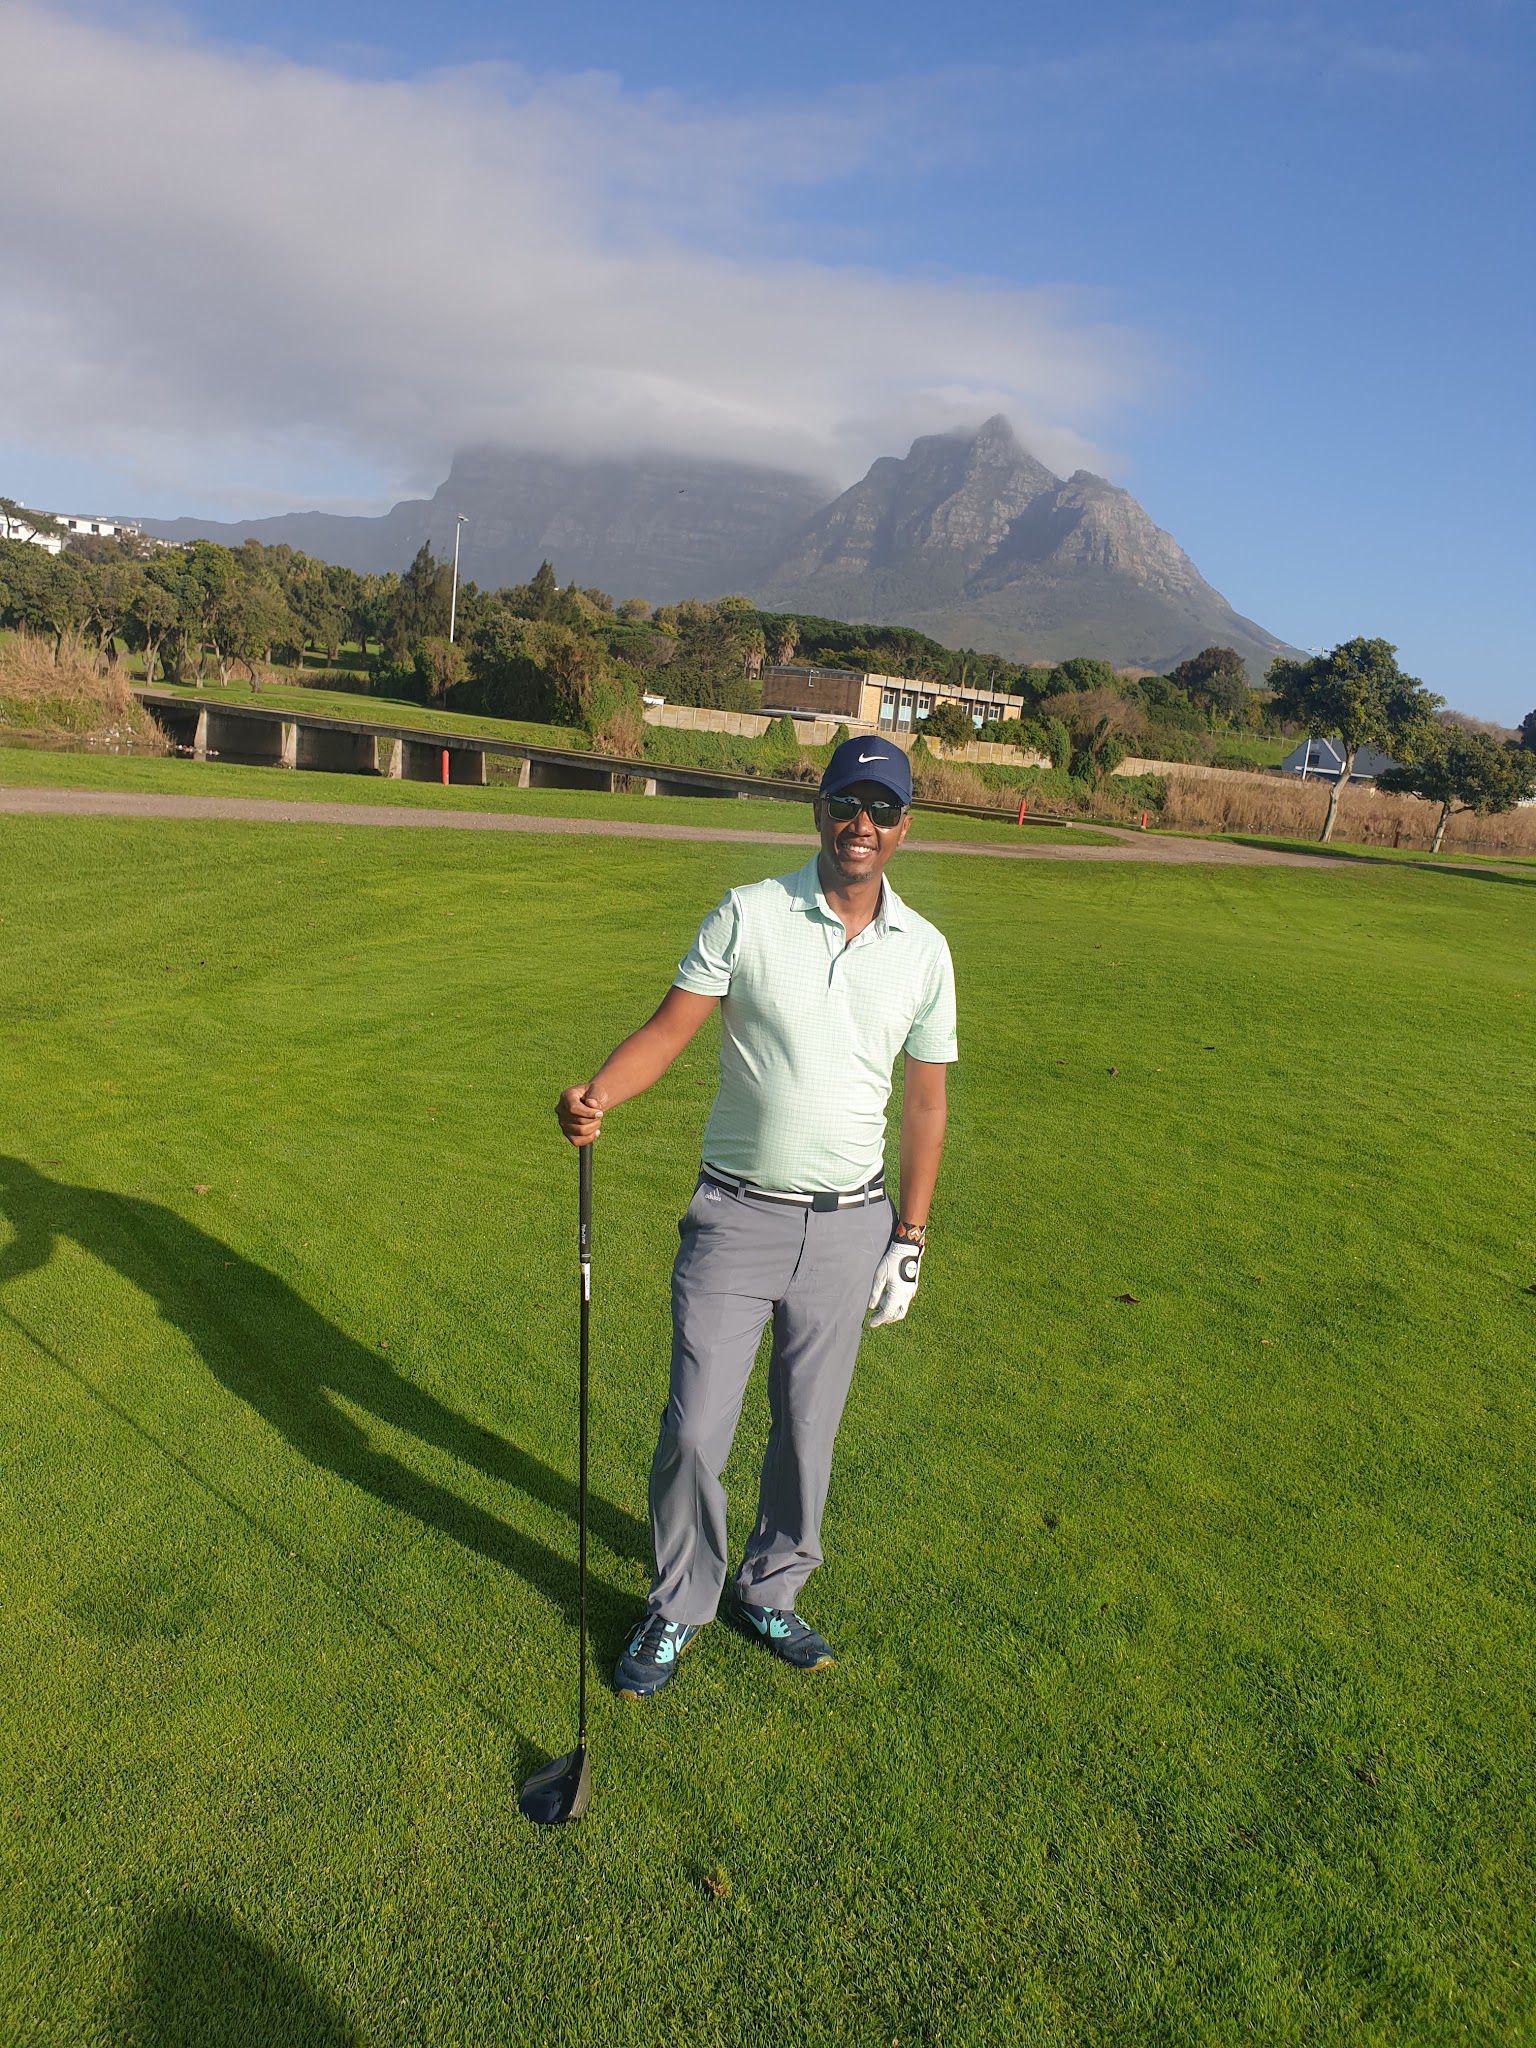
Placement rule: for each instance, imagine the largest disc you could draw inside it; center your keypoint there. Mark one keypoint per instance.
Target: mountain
(972, 540)
(966, 537)
(658, 527)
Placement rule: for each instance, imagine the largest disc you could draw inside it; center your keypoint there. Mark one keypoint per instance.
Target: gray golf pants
(741, 1261)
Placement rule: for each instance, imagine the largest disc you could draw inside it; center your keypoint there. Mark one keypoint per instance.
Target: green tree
(1216, 681)
(154, 614)
(1464, 771)
(58, 602)
(371, 610)
(719, 649)
(1355, 694)
(1528, 732)
(253, 619)
(33, 522)
(543, 592)
(949, 723)
(1101, 724)
(574, 664)
(439, 666)
(779, 747)
(214, 586)
(506, 681)
(422, 601)
(1083, 672)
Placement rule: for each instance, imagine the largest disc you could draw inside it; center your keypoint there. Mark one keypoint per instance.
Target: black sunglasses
(884, 815)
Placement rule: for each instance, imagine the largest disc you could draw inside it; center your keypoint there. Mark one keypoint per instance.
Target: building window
(904, 715)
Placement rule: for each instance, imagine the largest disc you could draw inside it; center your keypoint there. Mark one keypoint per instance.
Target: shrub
(71, 699)
(613, 719)
(780, 747)
(1282, 807)
(949, 724)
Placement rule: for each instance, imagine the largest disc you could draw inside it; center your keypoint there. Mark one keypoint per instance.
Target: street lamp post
(453, 602)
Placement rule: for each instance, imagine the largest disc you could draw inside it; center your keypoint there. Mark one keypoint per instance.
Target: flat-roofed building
(108, 529)
(894, 704)
(17, 526)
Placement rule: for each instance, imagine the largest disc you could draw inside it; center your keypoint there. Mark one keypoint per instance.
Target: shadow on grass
(200, 1981)
(269, 1346)
(1366, 856)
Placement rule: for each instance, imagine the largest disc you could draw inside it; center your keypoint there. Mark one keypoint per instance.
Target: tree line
(537, 650)
(572, 655)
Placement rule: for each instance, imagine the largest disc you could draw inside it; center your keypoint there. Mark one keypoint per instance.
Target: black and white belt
(851, 1198)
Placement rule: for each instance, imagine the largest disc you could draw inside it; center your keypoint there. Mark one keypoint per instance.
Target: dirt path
(101, 803)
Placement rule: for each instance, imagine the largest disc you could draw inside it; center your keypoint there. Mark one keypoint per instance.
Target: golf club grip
(584, 1202)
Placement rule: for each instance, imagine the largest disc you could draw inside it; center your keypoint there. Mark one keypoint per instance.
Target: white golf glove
(895, 1283)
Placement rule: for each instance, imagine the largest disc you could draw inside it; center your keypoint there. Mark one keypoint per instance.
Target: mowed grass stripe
(1183, 1682)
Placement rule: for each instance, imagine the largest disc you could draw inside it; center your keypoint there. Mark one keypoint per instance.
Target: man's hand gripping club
(632, 1067)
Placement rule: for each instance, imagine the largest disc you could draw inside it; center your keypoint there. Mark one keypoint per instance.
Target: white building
(19, 527)
(13, 527)
(109, 529)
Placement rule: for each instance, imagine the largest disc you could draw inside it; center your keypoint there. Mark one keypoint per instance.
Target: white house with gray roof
(1324, 761)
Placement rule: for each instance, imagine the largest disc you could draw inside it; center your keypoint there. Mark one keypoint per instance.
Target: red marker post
(1023, 807)
(445, 764)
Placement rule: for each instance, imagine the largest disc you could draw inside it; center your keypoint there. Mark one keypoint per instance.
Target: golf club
(559, 1790)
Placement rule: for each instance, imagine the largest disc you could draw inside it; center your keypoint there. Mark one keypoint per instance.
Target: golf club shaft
(584, 1250)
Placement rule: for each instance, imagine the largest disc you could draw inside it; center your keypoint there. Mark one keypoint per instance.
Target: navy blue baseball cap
(869, 760)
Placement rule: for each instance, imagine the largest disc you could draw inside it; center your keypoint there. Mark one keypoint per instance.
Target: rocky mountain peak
(995, 441)
(967, 537)
(970, 538)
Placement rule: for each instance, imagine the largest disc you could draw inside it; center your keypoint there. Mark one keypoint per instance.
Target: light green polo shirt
(811, 1026)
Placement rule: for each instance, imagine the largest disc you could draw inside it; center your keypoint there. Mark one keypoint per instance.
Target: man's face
(857, 848)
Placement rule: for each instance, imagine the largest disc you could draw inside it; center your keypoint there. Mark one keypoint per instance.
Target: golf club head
(558, 1791)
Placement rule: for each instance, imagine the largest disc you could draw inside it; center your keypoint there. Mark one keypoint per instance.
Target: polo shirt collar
(807, 892)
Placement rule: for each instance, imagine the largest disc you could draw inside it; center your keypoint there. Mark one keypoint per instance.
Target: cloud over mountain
(233, 275)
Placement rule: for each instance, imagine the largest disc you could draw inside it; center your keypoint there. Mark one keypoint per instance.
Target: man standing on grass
(821, 978)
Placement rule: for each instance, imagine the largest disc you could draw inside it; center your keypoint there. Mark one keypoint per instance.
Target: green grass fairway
(33, 768)
(1184, 1684)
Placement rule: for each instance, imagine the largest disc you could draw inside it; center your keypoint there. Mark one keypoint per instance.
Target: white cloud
(230, 275)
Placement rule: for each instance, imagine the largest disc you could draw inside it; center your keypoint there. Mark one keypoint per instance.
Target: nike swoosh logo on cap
(871, 757)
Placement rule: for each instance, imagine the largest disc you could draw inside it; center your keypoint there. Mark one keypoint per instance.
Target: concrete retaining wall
(993, 750)
(818, 732)
(1134, 766)
(747, 725)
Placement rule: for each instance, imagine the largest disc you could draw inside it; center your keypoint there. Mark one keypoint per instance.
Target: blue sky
(1268, 267)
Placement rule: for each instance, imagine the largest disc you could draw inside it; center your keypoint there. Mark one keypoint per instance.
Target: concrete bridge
(256, 733)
